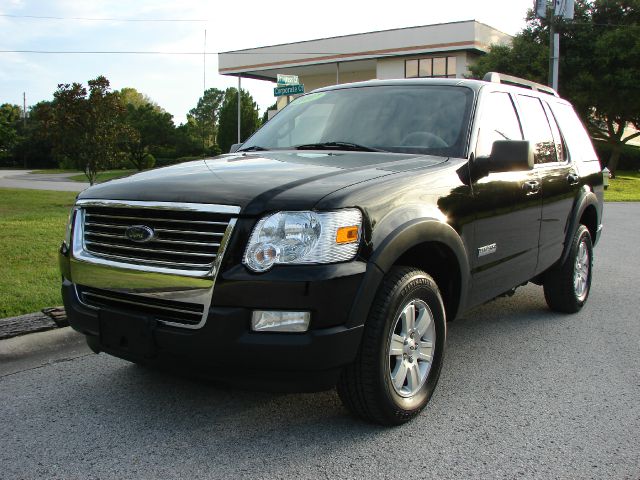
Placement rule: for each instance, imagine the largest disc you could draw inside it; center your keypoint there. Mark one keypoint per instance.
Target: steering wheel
(424, 139)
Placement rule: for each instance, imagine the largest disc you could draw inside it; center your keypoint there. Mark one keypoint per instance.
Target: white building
(441, 50)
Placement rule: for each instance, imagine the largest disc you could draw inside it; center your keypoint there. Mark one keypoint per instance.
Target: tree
(10, 118)
(205, 116)
(265, 115)
(599, 65)
(146, 126)
(131, 96)
(249, 118)
(37, 146)
(88, 125)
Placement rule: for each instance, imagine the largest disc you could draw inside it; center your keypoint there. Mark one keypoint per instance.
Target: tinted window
(578, 141)
(499, 122)
(557, 137)
(405, 119)
(537, 130)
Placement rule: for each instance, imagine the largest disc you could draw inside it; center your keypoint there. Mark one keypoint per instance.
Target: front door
(507, 209)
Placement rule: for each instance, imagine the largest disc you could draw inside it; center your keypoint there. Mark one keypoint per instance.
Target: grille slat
(179, 242)
(122, 217)
(160, 230)
(164, 310)
(183, 239)
(141, 249)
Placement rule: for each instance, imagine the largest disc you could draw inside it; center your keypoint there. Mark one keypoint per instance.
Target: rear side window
(499, 122)
(537, 129)
(578, 141)
(557, 137)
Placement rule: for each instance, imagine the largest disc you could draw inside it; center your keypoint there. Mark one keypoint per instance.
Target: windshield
(429, 119)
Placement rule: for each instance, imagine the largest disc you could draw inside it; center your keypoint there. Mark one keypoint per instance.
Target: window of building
(411, 68)
(431, 67)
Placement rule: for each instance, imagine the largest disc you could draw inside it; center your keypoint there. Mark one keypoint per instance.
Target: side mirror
(234, 148)
(506, 156)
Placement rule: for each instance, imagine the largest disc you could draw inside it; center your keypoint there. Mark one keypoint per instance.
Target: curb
(47, 319)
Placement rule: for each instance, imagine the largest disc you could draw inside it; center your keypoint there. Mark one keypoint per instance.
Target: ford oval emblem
(139, 233)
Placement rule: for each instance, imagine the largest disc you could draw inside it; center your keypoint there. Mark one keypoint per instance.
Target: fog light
(272, 321)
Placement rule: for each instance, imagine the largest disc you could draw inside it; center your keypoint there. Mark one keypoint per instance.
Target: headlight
(296, 238)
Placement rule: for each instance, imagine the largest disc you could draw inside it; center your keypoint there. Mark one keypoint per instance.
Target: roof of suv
(475, 85)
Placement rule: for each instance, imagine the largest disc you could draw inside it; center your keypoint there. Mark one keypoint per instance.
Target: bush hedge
(629, 157)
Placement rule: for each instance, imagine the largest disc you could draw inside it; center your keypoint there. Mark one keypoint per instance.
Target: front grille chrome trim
(192, 207)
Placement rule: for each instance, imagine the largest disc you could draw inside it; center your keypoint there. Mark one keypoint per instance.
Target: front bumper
(223, 347)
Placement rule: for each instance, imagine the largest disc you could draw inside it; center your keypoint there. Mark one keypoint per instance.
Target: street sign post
(288, 90)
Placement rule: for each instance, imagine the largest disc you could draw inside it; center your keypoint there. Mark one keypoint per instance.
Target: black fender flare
(586, 199)
(394, 245)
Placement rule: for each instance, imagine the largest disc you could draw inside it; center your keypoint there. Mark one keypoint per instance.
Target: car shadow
(147, 404)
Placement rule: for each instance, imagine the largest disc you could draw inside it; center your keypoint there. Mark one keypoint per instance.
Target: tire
(567, 285)
(397, 366)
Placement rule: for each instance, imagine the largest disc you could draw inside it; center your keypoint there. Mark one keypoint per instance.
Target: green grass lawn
(104, 176)
(624, 188)
(32, 225)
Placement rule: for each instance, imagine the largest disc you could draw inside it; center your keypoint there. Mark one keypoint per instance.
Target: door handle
(573, 179)
(531, 187)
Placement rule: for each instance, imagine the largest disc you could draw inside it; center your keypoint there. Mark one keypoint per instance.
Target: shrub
(629, 157)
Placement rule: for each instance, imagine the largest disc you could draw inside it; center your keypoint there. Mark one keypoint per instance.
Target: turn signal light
(347, 234)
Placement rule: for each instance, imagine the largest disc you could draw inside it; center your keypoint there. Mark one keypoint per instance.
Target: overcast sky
(175, 82)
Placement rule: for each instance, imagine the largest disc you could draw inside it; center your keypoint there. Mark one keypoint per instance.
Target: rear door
(507, 208)
(557, 175)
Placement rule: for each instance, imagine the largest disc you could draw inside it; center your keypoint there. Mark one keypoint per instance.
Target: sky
(175, 81)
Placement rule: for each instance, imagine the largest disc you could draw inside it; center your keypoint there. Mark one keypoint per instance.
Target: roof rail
(519, 82)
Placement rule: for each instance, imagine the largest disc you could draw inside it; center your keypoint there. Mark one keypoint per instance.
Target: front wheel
(567, 285)
(400, 357)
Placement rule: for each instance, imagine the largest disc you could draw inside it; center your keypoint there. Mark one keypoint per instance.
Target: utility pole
(239, 103)
(24, 125)
(204, 89)
(551, 11)
(554, 53)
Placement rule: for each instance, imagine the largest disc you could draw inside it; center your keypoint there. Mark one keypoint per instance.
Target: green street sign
(287, 80)
(288, 90)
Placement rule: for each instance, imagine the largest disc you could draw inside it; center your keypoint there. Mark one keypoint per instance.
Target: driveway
(524, 393)
(50, 181)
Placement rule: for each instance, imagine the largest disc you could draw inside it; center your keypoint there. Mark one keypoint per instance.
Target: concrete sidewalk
(38, 349)
(49, 181)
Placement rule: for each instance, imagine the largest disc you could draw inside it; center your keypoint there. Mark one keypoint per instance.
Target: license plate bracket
(127, 333)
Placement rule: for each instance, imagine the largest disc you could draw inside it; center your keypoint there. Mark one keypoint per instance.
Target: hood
(260, 181)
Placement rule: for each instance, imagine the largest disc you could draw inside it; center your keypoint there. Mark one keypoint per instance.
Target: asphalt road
(525, 393)
(48, 181)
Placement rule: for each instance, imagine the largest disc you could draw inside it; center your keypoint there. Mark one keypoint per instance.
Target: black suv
(334, 244)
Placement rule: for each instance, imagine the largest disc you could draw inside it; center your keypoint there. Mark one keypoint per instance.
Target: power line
(105, 52)
(93, 19)
(142, 52)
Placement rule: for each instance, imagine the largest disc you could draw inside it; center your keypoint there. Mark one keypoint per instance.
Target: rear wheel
(567, 285)
(399, 361)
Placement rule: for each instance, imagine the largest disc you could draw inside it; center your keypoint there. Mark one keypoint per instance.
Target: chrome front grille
(166, 311)
(170, 275)
(185, 238)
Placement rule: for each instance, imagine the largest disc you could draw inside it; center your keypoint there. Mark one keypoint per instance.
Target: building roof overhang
(358, 51)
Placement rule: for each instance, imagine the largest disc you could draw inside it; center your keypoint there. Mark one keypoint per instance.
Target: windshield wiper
(337, 146)
(253, 148)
